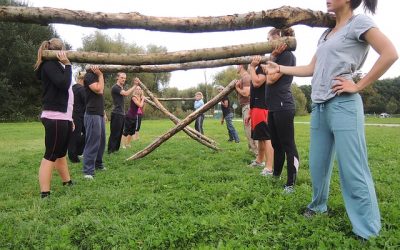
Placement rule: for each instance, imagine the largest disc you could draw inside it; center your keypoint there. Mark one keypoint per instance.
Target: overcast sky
(306, 37)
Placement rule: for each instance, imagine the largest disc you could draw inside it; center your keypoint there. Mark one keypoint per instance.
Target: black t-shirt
(118, 100)
(79, 100)
(94, 101)
(279, 94)
(258, 95)
(226, 111)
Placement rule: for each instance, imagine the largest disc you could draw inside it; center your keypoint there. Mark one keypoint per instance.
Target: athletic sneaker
(255, 164)
(266, 172)
(123, 147)
(288, 189)
(88, 177)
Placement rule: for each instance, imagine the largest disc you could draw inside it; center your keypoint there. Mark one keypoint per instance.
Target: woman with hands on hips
(337, 118)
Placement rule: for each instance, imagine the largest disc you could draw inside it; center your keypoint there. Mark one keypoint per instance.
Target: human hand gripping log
(183, 123)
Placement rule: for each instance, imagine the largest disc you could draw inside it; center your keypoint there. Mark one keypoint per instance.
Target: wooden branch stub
(284, 16)
(173, 57)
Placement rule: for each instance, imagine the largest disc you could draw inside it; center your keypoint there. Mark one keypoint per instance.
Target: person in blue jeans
(198, 103)
(228, 116)
(337, 118)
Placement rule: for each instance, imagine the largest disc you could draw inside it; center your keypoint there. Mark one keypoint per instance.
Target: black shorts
(129, 126)
(138, 122)
(259, 125)
(57, 134)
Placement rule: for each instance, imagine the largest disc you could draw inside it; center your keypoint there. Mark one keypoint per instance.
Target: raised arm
(301, 71)
(97, 87)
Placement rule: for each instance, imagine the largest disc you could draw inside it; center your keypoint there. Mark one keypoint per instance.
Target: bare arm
(97, 87)
(138, 101)
(387, 56)
(256, 79)
(301, 71)
(243, 91)
(127, 92)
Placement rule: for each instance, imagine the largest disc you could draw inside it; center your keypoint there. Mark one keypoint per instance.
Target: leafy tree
(391, 106)
(300, 100)
(20, 92)
(306, 89)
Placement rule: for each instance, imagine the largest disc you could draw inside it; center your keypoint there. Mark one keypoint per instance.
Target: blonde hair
(199, 93)
(52, 44)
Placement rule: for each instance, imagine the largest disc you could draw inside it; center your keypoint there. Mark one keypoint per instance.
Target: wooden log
(284, 16)
(173, 57)
(176, 99)
(187, 130)
(183, 123)
(175, 67)
(171, 116)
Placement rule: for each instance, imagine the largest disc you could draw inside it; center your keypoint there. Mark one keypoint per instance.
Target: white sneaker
(256, 164)
(88, 177)
(123, 147)
(266, 172)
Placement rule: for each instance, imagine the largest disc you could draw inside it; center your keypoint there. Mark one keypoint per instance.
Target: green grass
(183, 195)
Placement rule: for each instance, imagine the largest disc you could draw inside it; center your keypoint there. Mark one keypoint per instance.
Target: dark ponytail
(369, 5)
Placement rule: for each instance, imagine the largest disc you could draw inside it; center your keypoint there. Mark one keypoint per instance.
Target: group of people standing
(74, 116)
(337, 118)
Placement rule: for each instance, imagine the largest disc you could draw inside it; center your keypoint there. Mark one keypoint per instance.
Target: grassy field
(183, 195)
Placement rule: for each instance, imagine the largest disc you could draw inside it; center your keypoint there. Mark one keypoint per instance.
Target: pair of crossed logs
(183, 123)
(153, 101)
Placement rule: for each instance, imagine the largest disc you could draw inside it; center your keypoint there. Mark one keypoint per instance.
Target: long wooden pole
(179, 66)
(183, 123)
(173, 57)
(285, 16)
(176, 99)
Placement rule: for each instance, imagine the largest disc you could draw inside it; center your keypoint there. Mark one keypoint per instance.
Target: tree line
(20, 92)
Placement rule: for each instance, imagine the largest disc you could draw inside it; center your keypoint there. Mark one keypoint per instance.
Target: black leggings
(57, 134)
(282, 138)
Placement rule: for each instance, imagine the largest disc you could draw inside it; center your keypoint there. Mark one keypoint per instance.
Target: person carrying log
(58, 101)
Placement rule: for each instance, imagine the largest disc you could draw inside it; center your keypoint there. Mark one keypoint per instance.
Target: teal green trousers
(337, 128)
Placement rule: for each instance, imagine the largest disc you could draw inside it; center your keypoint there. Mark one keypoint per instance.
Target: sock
(44, 194)
(68, 183)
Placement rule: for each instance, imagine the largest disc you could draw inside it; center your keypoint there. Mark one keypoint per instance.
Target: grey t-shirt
(340, 55)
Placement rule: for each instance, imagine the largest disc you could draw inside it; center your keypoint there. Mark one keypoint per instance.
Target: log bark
(187, 130)
(175, 67)
(171, 116)
(176, 99)
(284, 16)
(183, 123)
(173, 57)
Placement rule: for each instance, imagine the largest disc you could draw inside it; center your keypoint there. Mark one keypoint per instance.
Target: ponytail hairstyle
(52, 44)
(369, 5)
